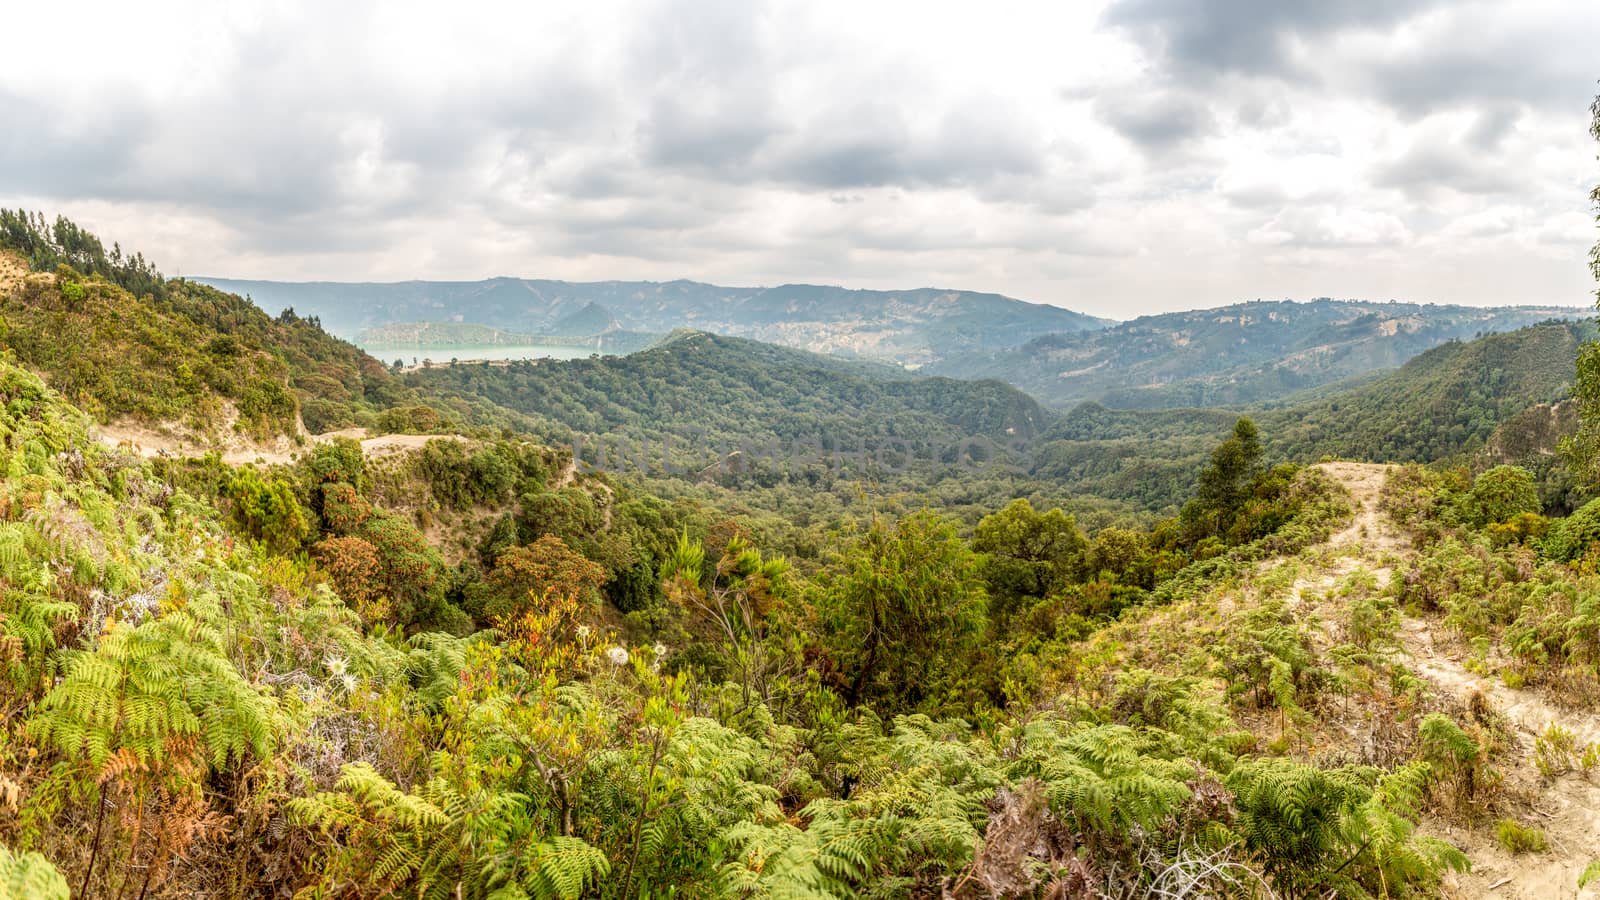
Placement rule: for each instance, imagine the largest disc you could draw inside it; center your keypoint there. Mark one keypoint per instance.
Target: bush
(1500, 495)
(1518, 838)
(1571, 538)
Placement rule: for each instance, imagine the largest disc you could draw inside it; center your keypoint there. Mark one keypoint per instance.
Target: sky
(1118, 158)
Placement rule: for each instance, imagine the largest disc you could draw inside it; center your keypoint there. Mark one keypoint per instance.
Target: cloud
(1484, 55)
(1251, 37)
(873, 145)
(1428, 166)
(1157, 121)
(1331, 227)
(1120, 158)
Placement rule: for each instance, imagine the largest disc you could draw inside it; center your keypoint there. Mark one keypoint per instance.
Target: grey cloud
(42, 150)
(872, 145)
(1460, 54)
(1156, 121)
(681, 135)
(1494, 123)
(658, 139)
(1471, 67)
(1429, 166)
(1247, 36)
(707, 67)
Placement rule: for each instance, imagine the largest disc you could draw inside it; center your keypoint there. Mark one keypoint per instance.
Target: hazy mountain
(1234, 355)
(912, 327)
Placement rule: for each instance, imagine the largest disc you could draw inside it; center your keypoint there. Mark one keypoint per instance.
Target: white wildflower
(349, 683)
(617, 655)
(335, 664)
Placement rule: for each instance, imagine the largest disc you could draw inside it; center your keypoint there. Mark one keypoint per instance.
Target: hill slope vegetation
(1234, 355)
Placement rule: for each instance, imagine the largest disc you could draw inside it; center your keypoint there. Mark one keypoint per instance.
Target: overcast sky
(1117, 158)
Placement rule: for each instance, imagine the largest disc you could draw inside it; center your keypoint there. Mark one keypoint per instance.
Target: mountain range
(911, 327)
(1234, 355)
(1242, 354)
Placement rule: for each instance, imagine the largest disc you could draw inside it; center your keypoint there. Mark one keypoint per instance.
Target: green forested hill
(125, 343)
(464, 668)
(1442, 405)
(757, 415)
(1446, 402)
(1234, 355)
(735, 391)
(710, 396)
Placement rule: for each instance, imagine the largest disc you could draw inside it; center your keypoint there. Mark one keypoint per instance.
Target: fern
(1346, 831)
(29, 876)
(441, 842)
(562, 868)
(147, 685)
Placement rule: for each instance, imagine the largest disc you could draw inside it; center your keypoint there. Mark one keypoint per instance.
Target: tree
(523, 574)
(1582, 449)
(1027, 554)
(1225, 483)
(352, 565)
(905, 605)
(412, 573)
(738, 597)
(267, 510)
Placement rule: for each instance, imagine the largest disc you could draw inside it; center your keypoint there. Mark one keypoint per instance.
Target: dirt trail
(1360, 545)
(151, 443)
(1567, 808)
(568, 476)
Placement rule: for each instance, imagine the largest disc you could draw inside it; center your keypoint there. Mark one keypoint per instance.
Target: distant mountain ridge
(1235, 355)
(911, 327)
(425, 336)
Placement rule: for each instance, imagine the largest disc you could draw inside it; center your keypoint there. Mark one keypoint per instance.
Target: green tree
(739, 599)
(1582, 449)
(1225, 483)
(267, 510)
(905, 604)
(1027, 554)
(1500, 495)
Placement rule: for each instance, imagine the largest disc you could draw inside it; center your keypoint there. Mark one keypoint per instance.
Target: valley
(668, 450)
(768, 622)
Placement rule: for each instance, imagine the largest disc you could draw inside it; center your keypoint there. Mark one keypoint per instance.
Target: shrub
(1499, 495)
(1518, 838)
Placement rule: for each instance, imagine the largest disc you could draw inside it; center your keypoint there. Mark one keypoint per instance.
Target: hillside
(1446, 402)
(752, 416)
(735, 393)
(1444, 405)
(176, 354)
(912, 327)
(211, 625)
(1235, 355)
(1143, 687)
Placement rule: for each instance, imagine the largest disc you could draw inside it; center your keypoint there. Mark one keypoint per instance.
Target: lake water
(387, 354)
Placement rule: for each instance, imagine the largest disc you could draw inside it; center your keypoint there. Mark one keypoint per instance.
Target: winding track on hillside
(151, 443)
(1567, 808)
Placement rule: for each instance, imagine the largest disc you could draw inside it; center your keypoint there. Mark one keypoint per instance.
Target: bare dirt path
(150, 443)
(1567, 807)
(568, 477)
